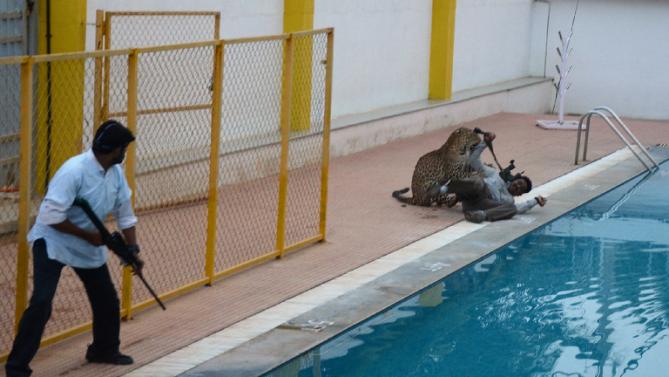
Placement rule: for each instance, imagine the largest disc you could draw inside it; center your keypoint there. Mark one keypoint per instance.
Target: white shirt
(107, 192)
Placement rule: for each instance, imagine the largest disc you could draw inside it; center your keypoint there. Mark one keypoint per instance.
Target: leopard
(437, 168)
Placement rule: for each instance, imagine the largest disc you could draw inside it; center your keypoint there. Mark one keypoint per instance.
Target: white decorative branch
(564, 51)
(564, 69)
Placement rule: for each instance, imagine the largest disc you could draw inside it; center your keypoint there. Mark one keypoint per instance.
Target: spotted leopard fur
(438, 167)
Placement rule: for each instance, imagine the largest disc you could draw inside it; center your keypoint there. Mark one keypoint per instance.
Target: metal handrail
(629, 133)
(598, 111)
(589, 115)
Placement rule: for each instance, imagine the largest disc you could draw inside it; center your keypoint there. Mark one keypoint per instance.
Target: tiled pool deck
(364, 224)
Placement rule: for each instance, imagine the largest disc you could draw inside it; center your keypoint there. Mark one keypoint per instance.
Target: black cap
(111, 135)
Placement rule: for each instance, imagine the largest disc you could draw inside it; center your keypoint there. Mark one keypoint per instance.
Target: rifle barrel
(489, 144)
(148, 287)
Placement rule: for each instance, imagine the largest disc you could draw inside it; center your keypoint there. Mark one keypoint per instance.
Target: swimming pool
(584, 295)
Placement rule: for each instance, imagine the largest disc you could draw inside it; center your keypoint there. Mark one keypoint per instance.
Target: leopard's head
(464, 144)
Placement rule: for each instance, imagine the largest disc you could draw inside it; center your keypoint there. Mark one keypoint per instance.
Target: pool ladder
(601, 111)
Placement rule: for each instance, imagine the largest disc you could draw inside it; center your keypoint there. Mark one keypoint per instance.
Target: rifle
(116, 243)
(504, 173)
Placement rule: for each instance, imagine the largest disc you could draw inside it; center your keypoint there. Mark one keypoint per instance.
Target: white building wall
(620, 58)
(382, 51)
(492, 42)
(382, 47)
(239, 18)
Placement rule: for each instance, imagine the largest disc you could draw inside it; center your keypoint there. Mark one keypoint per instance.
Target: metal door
(13, 27)
(14, 40)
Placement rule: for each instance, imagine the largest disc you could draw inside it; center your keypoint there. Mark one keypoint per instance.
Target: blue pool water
(585, 295)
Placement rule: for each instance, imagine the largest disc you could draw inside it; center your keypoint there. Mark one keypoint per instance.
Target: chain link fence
(172, 170)
(306, 147)
(9, 131)
(222, 176)
(250, 142)
(9, 168)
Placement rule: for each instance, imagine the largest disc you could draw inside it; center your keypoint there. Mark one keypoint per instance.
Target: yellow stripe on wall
(60, 103)
(298, 15)
(441, 49)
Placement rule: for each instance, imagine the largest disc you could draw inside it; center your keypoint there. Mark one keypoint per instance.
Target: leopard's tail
(404, 199)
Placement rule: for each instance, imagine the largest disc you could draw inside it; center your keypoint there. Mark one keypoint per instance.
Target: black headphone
(98, 145)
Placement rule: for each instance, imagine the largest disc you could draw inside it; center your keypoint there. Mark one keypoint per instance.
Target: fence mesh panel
(8, 252)
(144, 29)
(115, 92)
(9, 176)
(250, 137)
(306, 138)
(9, 128)
(173, 142)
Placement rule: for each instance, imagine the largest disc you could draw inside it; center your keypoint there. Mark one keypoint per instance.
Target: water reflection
(583, 296)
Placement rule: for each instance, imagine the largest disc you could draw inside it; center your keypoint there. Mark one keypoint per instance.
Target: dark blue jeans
(101, 294)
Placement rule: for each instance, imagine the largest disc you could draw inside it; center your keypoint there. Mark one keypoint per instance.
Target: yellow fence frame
(209, 273)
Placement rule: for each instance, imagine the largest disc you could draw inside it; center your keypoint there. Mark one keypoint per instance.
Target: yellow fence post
(217, 25)
(126, 293)
(441, 49)
(299, 16)
(106, 67)
(97, 82)
(286, 106)
(212, 203)
(25, 188)
(325, 159)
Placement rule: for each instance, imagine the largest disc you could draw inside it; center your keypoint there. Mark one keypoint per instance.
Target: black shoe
(116, 358)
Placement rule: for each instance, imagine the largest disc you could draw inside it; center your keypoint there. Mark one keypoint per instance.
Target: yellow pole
(107, 67)
(299, 16)
(97, 83)
(213, 162)
(325, 159)
(25, 154)
(60, 87)
(286, 106)
(217, 25)
(132, 120)
(441, 49)
(126, 293)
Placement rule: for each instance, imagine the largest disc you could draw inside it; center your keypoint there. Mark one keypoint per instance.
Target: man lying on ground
(488, 197)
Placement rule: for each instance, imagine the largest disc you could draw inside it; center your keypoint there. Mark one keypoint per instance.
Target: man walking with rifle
(63, 235)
